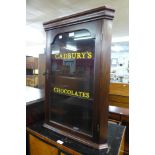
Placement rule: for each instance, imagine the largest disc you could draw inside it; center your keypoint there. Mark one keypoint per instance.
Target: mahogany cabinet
(78, 49)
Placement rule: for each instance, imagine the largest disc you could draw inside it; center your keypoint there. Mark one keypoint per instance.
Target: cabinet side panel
(105, 62)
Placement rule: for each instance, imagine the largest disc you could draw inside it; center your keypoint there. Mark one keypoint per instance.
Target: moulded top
(103, 12)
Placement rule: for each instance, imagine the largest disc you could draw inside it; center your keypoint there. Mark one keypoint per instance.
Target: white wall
(35, 41)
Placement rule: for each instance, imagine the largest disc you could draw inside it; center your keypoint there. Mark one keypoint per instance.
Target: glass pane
(120, 62)
(72, 59)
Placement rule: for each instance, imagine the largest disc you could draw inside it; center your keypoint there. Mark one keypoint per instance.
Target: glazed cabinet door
(72, 76)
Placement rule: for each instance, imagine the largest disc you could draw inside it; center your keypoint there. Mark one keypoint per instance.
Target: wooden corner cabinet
(78, 50)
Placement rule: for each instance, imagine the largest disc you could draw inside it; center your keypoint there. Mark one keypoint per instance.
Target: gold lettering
(65, 56)
(76, 94)
(69, 56)
(83, 94)
(78, 56)
(64, 91)
(79, 94)
(87, 95)
(55, 89)
(73, 55)
(83, 54)
(59, 90)
(71, 92)
(89, 55)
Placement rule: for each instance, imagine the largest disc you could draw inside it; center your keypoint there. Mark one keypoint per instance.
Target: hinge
(46, 73)
(98, 127)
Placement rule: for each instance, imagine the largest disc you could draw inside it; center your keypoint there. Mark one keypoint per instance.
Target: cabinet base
(83, 141)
